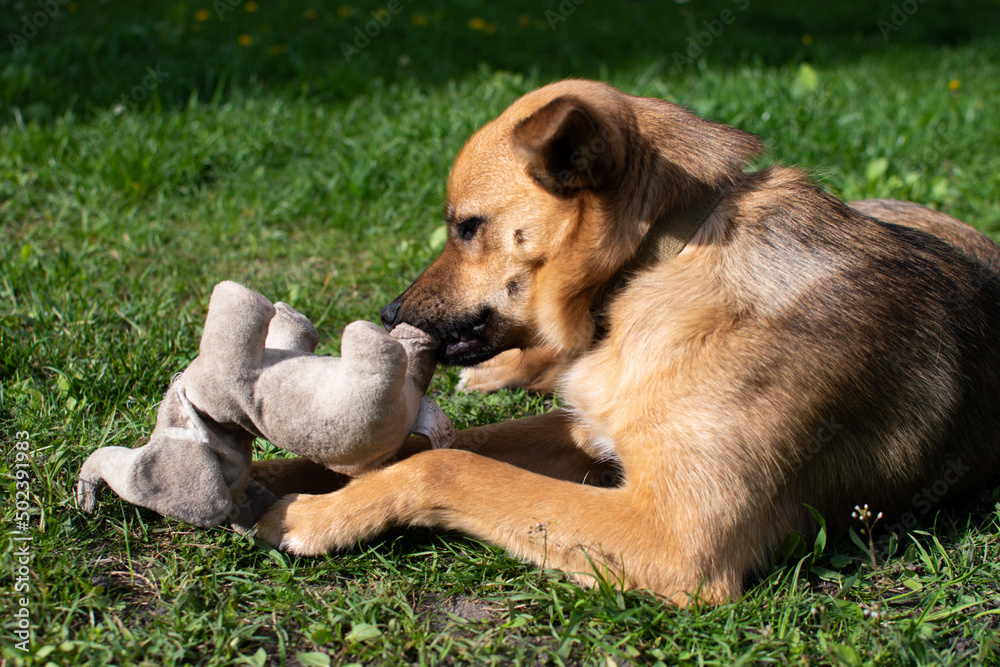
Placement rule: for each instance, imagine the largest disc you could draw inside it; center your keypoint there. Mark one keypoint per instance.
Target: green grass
(320, 181)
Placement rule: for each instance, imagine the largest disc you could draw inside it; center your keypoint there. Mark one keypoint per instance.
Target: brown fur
(796, 351)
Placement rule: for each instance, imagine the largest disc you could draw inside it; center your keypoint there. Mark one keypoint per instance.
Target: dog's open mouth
(464, 344)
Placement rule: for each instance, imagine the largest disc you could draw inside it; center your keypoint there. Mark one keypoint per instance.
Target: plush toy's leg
(366, 351)
(220, 380)
(234, 334)
(419, 347)
(295, 475)
(291, 330)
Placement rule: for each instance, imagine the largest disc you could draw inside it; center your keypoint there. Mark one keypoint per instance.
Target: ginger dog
(736, 345)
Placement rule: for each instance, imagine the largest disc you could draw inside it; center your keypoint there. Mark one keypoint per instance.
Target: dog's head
(547, 203)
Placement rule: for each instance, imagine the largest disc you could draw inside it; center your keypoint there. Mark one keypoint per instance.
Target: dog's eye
(468, 227)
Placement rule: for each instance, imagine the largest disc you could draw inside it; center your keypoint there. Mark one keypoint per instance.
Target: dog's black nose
(389, 314)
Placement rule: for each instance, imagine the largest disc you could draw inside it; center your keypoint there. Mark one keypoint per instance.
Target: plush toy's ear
(183, 479)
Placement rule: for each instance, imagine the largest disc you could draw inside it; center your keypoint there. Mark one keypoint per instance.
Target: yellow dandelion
(524, 21)
(419, 20)
(251, 6)
(275, 50)
(381, 14)
(244, 40)
(310, 14)
(954, 84)
(73, 7)
(202, 15)
(807, 39)
(477, 23)
(344, 11)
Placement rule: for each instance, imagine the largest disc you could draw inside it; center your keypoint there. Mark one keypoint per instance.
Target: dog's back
(887, 326)
(970, 242)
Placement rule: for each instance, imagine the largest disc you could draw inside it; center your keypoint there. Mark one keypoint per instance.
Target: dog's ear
(568, 146)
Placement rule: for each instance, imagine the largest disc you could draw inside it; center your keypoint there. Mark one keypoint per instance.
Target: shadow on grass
(950, 522)
(61, 56)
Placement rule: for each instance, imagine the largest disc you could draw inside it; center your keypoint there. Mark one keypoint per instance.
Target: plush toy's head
(256, 376)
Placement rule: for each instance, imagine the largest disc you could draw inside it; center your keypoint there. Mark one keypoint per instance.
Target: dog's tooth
(453, 334)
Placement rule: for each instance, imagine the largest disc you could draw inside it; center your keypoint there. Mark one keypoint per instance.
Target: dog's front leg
(585, 531)
(536, 369)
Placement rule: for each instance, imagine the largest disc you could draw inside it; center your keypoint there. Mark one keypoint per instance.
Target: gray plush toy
(256, 376)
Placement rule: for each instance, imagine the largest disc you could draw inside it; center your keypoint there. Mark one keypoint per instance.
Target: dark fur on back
(877, 328)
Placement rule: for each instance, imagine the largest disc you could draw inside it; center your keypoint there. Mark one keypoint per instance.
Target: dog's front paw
(501, 372)
(535, 369)
(307, 525)
(291, 524)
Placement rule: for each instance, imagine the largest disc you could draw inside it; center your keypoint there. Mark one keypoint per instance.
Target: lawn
(302, 149)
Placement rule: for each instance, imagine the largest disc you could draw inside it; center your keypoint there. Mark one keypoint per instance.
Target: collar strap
(666, 238)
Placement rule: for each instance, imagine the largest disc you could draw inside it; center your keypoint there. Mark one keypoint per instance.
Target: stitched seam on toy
(198, 432)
